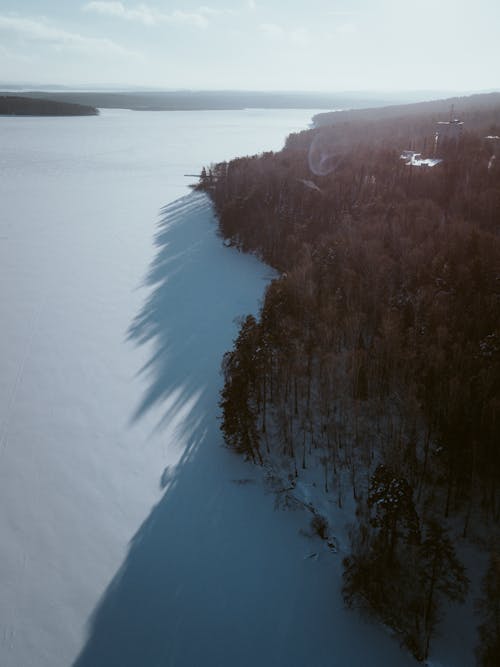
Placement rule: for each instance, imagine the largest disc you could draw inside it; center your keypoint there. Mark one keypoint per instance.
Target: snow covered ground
(129, 535)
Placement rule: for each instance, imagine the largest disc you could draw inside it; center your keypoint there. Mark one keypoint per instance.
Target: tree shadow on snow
(169, 603)
(213, 576)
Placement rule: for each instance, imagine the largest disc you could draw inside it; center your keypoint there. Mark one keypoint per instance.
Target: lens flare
(324, 158)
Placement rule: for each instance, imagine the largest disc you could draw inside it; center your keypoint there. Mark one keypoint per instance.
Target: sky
(310, 45)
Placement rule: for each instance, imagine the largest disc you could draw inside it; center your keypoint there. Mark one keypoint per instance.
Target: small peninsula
(25, 106)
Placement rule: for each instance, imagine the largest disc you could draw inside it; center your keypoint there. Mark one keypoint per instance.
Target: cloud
(340, 12)
(38, 30)
(297, 37)
(272, 30)
(110, 9)
(300, 37)
(346, 29)
(149, 16)
(8, 54)
(211, 11)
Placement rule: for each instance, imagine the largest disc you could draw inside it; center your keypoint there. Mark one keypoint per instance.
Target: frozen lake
(126, 539)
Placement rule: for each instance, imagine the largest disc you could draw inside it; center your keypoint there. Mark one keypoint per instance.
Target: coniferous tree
(391, 499)
(239, 416)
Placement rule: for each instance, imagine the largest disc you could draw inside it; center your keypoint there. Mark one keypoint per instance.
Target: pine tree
(239, 414)
(391, 497)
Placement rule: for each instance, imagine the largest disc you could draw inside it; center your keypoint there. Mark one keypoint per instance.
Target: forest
(376, 352)
(11, 105)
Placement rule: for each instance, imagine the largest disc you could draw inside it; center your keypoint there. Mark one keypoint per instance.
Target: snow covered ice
(126, 537)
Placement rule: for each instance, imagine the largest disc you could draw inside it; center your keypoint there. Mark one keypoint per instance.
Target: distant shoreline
(215, 100)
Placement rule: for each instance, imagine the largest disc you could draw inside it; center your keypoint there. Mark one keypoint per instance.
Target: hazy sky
(253, 44)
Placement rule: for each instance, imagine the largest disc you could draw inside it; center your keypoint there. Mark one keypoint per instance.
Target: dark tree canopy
(377, 350)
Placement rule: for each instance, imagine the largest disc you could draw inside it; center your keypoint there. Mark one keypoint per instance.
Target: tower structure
(448, 130)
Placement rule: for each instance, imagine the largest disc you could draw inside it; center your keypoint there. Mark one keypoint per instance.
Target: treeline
(25, 106)
(376, 354)
(181, 100)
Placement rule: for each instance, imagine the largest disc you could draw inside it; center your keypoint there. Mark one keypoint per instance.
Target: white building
(413, 159)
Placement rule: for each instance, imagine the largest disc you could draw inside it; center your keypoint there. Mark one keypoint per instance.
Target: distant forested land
(186, 100)
(24, 106)
(376, 354)
(472, 109)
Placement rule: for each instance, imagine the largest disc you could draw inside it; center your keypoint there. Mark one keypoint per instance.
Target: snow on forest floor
(298, 488)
